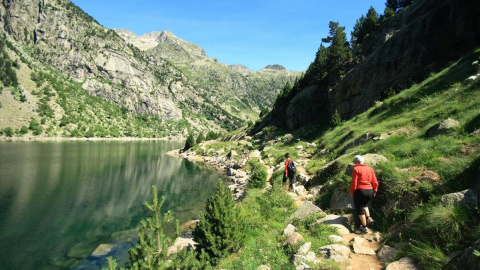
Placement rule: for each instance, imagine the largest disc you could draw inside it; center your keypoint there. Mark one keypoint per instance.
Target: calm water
(60, 200)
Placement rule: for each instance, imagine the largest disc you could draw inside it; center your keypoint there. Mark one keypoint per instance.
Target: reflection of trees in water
(83, 191)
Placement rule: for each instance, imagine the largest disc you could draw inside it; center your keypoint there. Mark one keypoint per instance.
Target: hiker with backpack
(290, 171)
(363, 188)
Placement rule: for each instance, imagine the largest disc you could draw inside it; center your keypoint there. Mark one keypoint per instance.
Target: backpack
(292, 169)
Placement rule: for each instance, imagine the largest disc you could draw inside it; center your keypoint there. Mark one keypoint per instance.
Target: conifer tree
(338, 53)
(220, 230)
(200, 138)
(190, 142)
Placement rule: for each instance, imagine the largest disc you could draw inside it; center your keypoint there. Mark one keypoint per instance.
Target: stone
(294, 239)
(102, 250)
(387, 253)
(404, 263)
(336, 252)
(335, 238)
(340, 228)
(370, 160)
(442, 128)
(302, 266)
(467, 197)
(299, 147)
(476, 132)
(181, 243)
(303, 250)
(360, 248)
(289, 230)
(298, 189)
(255, 154)
(310, 145)
(471, 79)
(334, 219)
(341, 200)
(232, 154)
(311, 256)
(231, 172)
(302, 178)
(306, 210)
(315, 190)
(297, 259)
(263, 267)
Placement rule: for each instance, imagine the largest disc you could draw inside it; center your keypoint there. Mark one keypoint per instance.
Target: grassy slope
(438, 230)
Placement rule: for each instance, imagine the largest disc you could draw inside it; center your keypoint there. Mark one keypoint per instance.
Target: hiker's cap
(358, 159)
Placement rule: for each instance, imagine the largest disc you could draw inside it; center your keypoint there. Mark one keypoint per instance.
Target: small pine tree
(151, 251)
(220, 230)
(189, 143)
(200, 138)
(336, 119)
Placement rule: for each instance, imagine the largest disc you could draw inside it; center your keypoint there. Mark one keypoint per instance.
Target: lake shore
(41, 139)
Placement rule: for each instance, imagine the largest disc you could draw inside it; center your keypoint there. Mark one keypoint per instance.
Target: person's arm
(353, 185)
(286, 167)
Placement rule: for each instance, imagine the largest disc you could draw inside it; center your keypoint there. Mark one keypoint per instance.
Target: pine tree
(151, 251)
(220, 230)
(200, 138)
(190, 142)
(338, 53)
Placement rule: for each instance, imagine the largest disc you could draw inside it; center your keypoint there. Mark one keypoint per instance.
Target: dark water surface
(60, 200)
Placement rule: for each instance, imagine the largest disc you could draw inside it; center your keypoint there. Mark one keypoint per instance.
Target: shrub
(220, 230)
(259, 176)
(8, 131)
(23, 130)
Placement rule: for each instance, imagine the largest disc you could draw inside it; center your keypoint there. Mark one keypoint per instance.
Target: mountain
(169, 84)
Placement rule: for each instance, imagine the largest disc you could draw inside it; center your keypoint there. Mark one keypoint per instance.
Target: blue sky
(251, 33)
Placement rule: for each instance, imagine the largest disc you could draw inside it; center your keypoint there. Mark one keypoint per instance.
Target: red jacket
(286, 165)
(363, 177)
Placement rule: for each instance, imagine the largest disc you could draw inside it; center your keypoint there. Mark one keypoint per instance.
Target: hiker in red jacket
(288, 175)
(364, 186)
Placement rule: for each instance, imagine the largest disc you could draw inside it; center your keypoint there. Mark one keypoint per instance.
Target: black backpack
(292, 169)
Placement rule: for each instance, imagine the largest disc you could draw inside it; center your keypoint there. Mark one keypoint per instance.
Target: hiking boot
(370, 220)
(363, 229)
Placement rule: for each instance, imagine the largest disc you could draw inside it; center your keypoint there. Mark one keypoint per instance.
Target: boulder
(289, 230)
(255, 154)
(471, 79)
(263, 267)
(315, 190)
(302, 178)
(387, 253)
(476, 132)
(360, 248)
(232, 154)
(302, 266)
(102, 250)
(467, 197)
(299, 147)
(404, 263)
(335, 238)
(334, 219)
(306, 210)
(231, 172)
(444, 127)
(298, 189)
(336, 252)
(304, 249)
(340, 228)
(370, 160)
(294, 239)
(341, 200)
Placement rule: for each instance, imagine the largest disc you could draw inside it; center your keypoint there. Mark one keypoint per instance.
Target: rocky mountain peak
(275, 67)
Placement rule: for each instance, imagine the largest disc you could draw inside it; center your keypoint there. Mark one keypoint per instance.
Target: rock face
(341, 200)
(402, 51)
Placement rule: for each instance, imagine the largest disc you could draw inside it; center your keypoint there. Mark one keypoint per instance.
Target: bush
(8, 131)
(259, 176)
(23, 130)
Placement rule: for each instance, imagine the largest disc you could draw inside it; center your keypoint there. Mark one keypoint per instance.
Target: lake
(60, 200)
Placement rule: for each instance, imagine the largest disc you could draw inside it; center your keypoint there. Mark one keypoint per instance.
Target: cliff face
(416, 42)
(408, 47)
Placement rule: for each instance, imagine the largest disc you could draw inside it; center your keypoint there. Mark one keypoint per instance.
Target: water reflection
(55, 195)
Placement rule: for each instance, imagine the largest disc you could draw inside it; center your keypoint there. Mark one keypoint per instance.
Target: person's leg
(363, 220)
(367, 212)
(284, 180)
(359, 206)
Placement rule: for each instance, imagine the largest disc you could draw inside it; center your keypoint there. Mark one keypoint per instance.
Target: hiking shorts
(361, 197)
